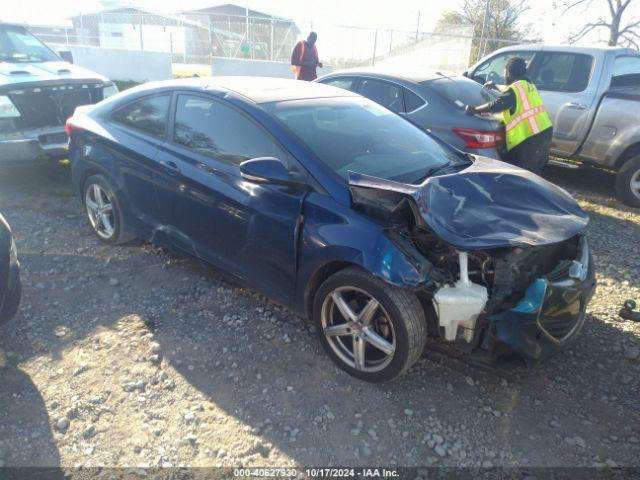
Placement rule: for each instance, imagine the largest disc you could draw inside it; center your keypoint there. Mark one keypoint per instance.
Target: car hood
(490, 204)
(25, 72)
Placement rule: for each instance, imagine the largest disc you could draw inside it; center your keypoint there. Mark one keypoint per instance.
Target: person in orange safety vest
(304, 58)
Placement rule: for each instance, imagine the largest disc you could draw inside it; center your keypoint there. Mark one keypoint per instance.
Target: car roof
(539, 47)
(416, 76)
(257, 89)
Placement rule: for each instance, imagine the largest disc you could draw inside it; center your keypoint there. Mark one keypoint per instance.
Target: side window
(148, 115)
(626, 72)
(493, 69)
(411, 101)
(385, 93)
(561, 72)
(212, 128)
(343, 82)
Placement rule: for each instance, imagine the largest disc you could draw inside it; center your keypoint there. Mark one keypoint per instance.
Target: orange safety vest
(296, 68)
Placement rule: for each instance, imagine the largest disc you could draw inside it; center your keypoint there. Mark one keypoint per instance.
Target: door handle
(576, 105)
(170, 167)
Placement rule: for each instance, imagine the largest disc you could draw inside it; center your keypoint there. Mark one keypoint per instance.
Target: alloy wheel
(634, 183)
(100, 211)
(358, 329)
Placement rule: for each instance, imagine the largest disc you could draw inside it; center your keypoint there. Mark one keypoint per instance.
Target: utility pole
(485, 19)
(141, 34)
(375, 47)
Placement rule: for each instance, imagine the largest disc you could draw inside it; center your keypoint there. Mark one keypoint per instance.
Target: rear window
(626, 72)
(148, 115)
(460, 91)
(342, 82)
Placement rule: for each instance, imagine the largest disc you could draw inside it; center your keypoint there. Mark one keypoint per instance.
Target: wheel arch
(85, 170)
(628, 153)
(318, 277)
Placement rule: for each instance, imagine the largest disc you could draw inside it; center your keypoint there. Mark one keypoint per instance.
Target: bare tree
(496, 23)
(620, 33)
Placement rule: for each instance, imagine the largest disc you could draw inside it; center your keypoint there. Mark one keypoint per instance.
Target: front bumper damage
(514, 272)
(548, 317)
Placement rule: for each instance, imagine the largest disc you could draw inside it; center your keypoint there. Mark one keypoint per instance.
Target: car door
(139, 128)
(248, 229)
(563, 80)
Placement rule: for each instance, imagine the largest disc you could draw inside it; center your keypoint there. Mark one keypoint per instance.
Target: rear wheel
(9, 307)
(628, 182)
(372, 330)
(104, 212)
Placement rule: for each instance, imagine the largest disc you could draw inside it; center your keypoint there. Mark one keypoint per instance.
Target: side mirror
(268, 170)
(465, 73)
(66, 55)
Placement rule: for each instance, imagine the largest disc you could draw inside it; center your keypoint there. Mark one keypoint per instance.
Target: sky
(397, 14)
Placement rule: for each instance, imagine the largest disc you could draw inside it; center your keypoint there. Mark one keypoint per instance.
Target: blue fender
(333, 233)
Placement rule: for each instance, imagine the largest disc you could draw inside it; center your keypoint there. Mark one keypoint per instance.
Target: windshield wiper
(437, 170)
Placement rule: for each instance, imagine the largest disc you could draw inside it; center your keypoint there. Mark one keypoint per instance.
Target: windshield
(18, 45)
(353, 133)
(461, 91)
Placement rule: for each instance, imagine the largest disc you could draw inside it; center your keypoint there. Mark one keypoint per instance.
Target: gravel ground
(133, 356)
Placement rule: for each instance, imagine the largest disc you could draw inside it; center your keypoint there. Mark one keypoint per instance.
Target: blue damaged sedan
(343, 211)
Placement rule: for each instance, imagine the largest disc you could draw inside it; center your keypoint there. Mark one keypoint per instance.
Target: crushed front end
(550, 313)
(536, 296)
(508, 264)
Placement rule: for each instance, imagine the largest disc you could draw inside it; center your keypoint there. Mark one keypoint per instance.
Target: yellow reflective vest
(529, 118)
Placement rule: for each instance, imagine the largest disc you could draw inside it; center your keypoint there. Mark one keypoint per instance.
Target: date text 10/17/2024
(317, 472)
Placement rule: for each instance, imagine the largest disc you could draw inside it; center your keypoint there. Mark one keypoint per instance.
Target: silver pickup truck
(38, 92)
(593, 97)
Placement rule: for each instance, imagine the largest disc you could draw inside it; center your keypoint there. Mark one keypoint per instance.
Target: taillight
(70, 127)
(479, 138)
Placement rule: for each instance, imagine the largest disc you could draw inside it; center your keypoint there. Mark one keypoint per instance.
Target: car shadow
(26, 439)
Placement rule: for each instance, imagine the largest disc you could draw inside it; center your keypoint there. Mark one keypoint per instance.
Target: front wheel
(372, 330)
(628, 182)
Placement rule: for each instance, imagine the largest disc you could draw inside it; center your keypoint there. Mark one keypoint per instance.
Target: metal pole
(82, 35)
(185, 41)
(375, 47)
(418, 26)
(140, 26)
(272, 40)
(484, 23)
(210, 41)
(246, 11)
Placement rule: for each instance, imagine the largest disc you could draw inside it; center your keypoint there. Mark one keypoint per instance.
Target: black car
(10, 287)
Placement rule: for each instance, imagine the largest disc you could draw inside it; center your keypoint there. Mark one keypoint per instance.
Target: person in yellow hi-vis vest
(528, 128)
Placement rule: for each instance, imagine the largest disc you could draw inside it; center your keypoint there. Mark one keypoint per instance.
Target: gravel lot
(133, 356)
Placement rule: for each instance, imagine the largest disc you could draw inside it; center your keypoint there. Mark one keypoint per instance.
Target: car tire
(389, 335)
(628, 182)
(9, 307)
(104, 211)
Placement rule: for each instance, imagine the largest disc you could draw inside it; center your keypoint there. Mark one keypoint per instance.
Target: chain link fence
(195, 38)
(189, 38)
